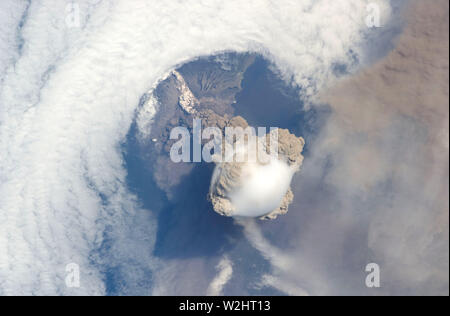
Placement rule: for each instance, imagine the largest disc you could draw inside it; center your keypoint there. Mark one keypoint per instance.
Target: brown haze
(391, 123)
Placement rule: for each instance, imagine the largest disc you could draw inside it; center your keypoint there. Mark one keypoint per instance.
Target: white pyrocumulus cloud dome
(262, 188)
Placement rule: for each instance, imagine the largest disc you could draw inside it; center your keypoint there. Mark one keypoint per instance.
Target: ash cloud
(258, 187)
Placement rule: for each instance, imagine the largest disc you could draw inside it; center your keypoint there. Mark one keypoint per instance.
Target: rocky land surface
(206, 90)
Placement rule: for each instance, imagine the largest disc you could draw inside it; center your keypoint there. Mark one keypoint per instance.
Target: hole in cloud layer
(187, 226)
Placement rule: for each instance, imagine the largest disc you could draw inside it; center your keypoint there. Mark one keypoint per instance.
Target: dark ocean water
(267, 101)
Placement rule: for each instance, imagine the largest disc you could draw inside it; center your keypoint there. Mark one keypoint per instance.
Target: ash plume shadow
(188, 226)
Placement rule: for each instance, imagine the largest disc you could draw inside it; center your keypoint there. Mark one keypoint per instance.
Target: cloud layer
(68, 96)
